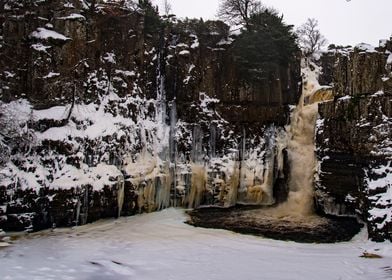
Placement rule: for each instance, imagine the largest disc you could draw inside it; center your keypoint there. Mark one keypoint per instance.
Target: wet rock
(248, 220)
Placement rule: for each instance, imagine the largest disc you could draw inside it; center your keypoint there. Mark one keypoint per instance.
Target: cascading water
(212, 142)
(120, 194)
(198, 170)
(302, 158)
(241, 162)
(198, 184)
(173, 149)
(82, 207)
(197, 145)
(301, 150)
(78, 206)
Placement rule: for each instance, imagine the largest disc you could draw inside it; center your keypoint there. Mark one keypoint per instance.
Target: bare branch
(167, 7)
(309, 37)
(238, 12)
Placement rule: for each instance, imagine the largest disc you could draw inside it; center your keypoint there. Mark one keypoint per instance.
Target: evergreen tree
(152, 21)
(268, 44)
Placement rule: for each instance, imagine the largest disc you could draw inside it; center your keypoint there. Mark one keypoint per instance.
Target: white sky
(340, 21)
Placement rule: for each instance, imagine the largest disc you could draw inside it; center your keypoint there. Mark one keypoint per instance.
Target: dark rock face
(199, 60)
(116, 117)
(354, 140)
(356, 71)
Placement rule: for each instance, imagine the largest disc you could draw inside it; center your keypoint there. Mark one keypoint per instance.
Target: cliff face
(354, 137)
(107, 110)
(357, 71)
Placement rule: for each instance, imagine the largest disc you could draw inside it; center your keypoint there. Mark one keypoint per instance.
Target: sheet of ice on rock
(160, 246)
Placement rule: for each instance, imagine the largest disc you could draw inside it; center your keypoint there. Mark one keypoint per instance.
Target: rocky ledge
(259, 221)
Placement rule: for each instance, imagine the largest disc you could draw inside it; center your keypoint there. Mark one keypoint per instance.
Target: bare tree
(238, 12)
(309, 37)
(167, 7)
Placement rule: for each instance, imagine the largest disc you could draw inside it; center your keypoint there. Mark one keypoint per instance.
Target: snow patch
(102, 251)
(389, 59)
(109, 58)
(73, 17)
(363, 47)
(346, 97)
(195, 44)
(184, 52)
(126, 73)
(43, 33)
(381, 203)
(51, 75)
(40, 47)
(100, 176)
(224, 42)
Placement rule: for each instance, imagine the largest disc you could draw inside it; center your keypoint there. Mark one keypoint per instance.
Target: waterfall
(173, 149)
(86, 206)
(162, 137)
(301, 150)
(197, 144)
(163, 185)
(198, 185)
(78, 206)
(82, 208)
(241, 162)
(120, 194)
(213, 135)
(263, 193)
(198, 170)
(153, 171)
(266, 188)
(302, 158)
(83, 211)
(257, 172)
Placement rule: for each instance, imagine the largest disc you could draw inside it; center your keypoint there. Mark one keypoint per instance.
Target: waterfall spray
(301, 150)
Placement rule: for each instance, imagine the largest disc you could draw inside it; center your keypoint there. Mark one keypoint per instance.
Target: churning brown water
(301, 151)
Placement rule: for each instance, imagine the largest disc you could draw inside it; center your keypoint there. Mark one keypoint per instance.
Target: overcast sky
(340, 21)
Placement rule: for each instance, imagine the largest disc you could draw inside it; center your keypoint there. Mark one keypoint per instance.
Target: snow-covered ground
(160, 246)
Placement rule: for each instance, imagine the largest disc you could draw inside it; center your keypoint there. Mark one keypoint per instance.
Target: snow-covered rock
(354, 138)
(43, 33)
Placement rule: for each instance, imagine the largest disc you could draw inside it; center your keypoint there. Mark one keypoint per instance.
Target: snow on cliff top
(365, 47)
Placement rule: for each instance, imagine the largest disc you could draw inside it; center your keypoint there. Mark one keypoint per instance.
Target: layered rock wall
(109, 110)
(354, 137)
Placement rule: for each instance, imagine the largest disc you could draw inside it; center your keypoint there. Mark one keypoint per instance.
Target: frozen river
(160, 246)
